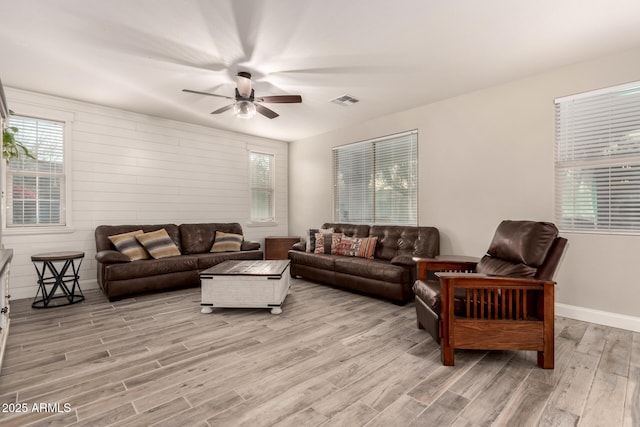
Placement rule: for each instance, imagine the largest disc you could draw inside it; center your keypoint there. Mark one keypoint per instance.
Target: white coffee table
(245, 284)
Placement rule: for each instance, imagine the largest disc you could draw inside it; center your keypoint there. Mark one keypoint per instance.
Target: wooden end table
(277, 247)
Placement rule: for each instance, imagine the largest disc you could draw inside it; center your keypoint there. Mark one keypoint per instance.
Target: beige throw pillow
(127, 244)
(158, 244)
(227, 242)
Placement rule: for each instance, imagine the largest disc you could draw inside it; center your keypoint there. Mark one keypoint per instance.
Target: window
(36, 187)
(375, 181)
(262, 187)
(597, 161)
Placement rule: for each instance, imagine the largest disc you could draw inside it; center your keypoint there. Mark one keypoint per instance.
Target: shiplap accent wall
(129, 168)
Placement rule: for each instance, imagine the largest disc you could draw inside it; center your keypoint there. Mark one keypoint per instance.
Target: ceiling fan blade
(266, 111)
(281, 99)
(206, 93)
(223, 109)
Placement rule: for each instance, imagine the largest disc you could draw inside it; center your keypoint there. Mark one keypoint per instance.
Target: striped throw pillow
(127, 244)
(226, 242)
(367, 247)
(158, 244)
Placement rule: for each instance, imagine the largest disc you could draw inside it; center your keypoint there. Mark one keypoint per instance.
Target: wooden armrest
(479, 280)
(444, 263)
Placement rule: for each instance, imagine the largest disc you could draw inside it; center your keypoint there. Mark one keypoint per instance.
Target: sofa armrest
(111, 257)
(300, 246)
(248, 245)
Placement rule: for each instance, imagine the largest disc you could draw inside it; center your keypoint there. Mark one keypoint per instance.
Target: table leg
(58, 279)
(276, 310)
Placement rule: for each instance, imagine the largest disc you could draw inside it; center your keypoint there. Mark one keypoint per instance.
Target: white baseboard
(606, 318)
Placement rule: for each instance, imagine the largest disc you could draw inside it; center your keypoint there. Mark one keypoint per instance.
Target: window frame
(596, 203)
(374, 172)
(67, 118)
(262, 221)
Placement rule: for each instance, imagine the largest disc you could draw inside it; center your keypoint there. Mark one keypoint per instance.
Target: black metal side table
(58, 278)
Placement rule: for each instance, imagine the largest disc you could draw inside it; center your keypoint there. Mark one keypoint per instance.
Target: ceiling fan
(246, 104)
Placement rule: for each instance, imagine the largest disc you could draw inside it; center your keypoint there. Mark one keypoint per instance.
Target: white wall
(129, 168)
(487, 156)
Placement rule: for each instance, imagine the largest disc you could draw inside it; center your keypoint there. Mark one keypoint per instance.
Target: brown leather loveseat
(391, 272)
(118, 276)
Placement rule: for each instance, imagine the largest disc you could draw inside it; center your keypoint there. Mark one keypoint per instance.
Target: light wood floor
(332, 358)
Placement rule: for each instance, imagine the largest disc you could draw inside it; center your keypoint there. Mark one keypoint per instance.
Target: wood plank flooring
(332, 358)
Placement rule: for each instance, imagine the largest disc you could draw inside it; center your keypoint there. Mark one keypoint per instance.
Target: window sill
(262, 224)
(29, 231)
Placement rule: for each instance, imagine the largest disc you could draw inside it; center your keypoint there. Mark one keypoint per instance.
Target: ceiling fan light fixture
(244, 109)
(243, 82)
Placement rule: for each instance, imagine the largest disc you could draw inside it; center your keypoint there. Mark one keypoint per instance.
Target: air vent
(345, 100)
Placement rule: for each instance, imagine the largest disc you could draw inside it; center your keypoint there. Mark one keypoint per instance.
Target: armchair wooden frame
(499, 313)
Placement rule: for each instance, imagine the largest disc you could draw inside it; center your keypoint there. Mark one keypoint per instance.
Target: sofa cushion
(500, 267)
(395, 240)
(150, 267)
(226, 242)
(524, 242)
(372, 269)
(127, 244)
(351, 230)
(321, 261)
(209, 259)
(158, 244)
(198, 238)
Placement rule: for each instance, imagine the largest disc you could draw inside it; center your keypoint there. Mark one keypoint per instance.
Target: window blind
(375, 181)
(36, 187)
(597, 161)
(262, 187)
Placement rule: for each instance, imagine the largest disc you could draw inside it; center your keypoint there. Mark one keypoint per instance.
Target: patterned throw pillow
(327, 243)
(311, 237)
(359, 247)
(226, 242)
(127, 244)
(348, 246)
(158, 244)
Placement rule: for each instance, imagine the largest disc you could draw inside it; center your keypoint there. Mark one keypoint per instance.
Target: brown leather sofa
(119, 277)
(390, 274)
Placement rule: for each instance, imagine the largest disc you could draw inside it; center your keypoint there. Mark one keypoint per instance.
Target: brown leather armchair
(503, 302)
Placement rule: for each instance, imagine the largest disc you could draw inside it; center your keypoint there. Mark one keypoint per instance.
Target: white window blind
(36, 187)
(597, 162)
(262, 187)
(375, 181)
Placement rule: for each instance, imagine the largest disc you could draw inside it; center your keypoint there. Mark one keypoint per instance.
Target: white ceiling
(137, 55)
